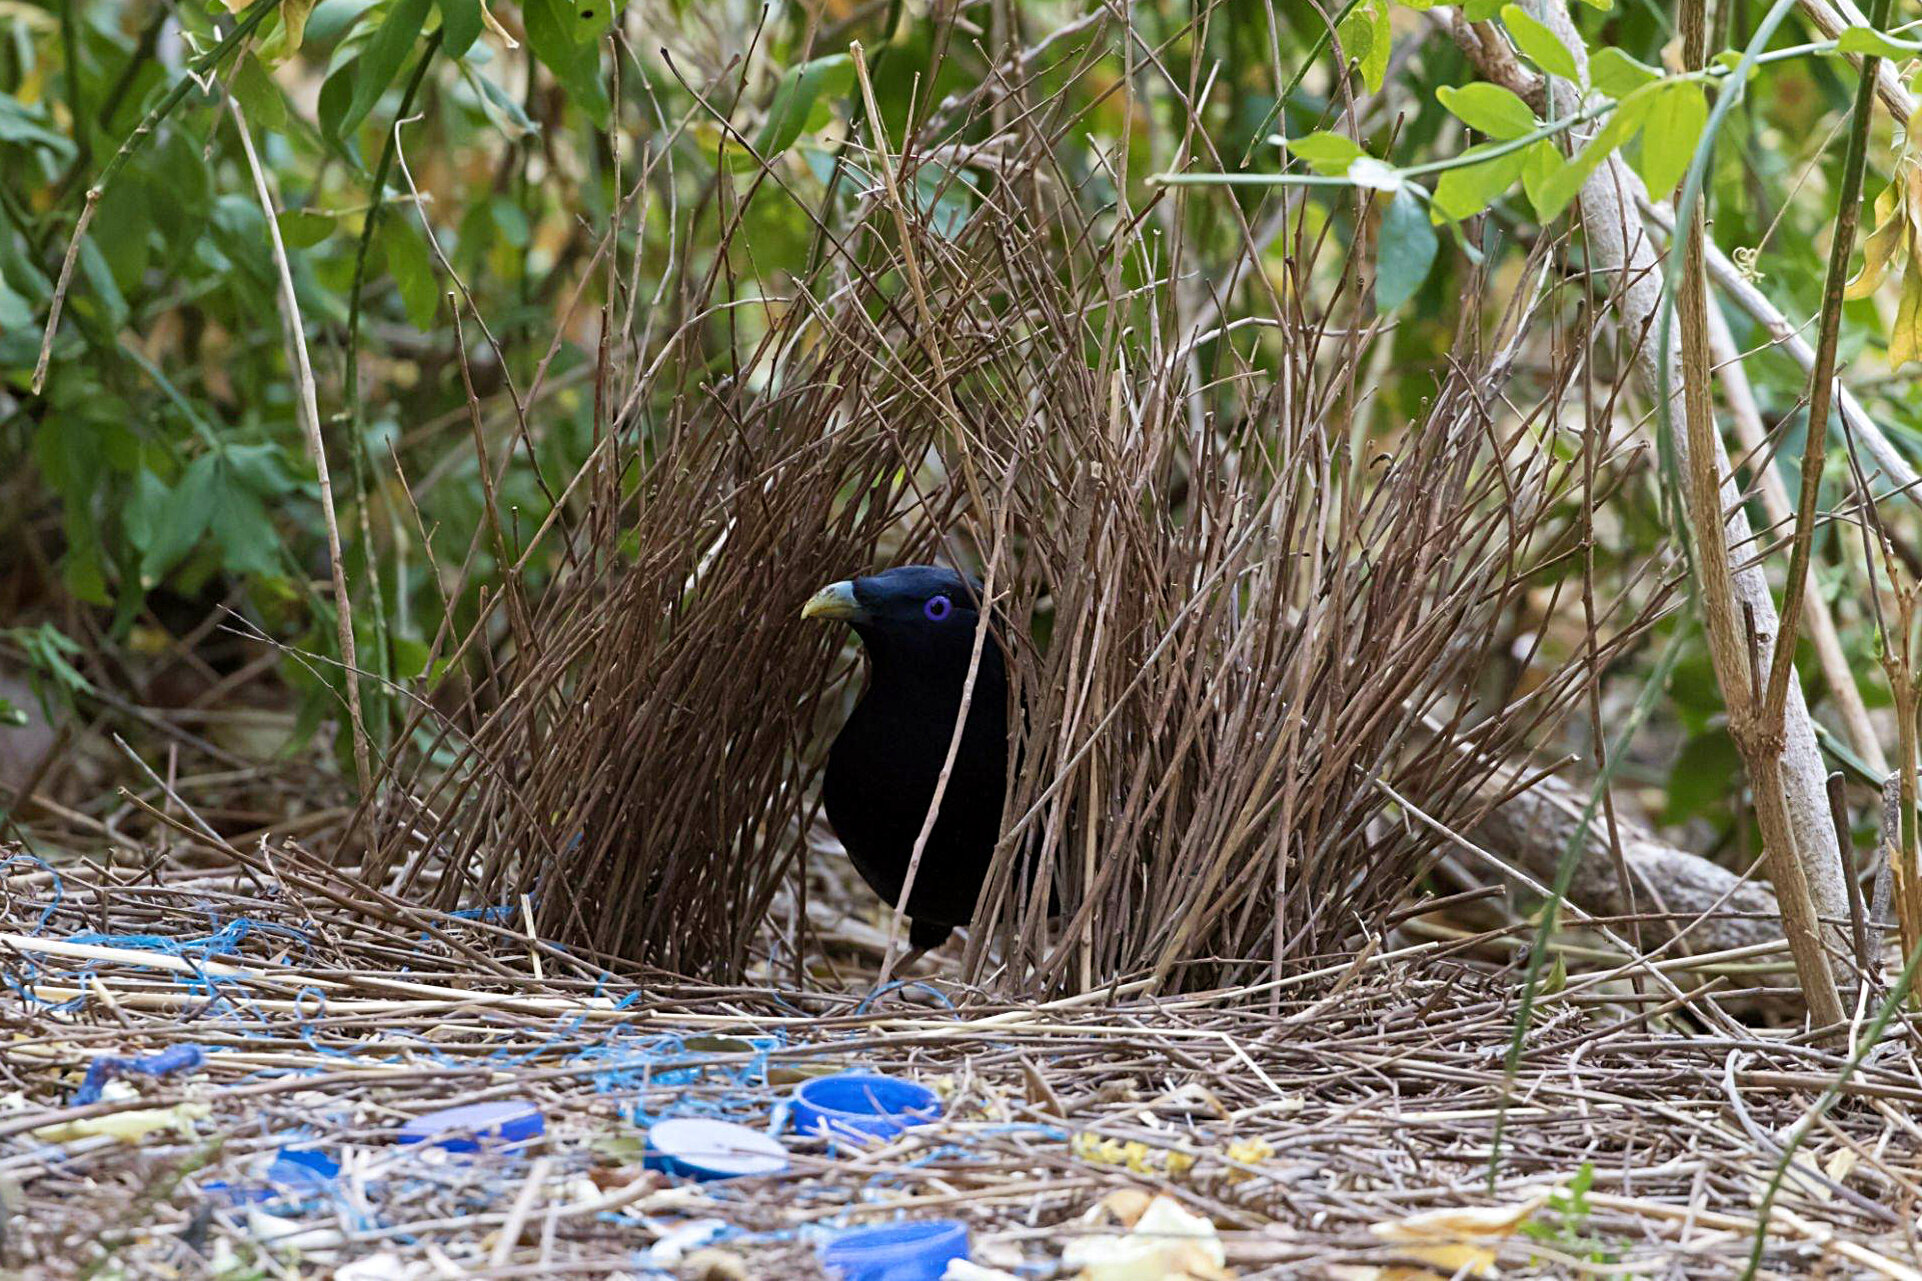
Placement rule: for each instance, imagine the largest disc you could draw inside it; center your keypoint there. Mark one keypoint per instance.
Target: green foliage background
(161, 471)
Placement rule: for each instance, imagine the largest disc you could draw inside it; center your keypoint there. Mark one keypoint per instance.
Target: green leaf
(1560, 187)
(140, 516)
(1327, 153)
(517, 121)
(15, 312)
(1466, 190)
(1365, 40)
(561, 37)
(182, 520)
(247, 537)
(1405, 250)
(1482, 10)
(1544, 161)
(794, 99)
(19, 124)
(460, 24)
(413, 271)
(1543, 47)
(289, 35)
(1867, 40)
(259, 96)
(1490, 108)
(111, 302)
(259, 467)
(336, 96)
(1601, 6)
(303, 228)
(331, 19)
(1618, 75)
(379, 64)
(1675, 123)
(410, 658)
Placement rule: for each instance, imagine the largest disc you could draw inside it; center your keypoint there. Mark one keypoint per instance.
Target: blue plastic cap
(703, 1148)
(862, 1106)
(898, 1252)
(466, 1129)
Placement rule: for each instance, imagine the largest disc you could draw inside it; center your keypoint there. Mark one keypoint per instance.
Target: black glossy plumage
(884, 764)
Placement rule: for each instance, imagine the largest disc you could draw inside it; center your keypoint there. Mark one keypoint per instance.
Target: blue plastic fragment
(703, 1148)
(862, 1105)
(917, 1251)
(178, 1058)
(467, 1129)
(305, 1170)
(297, 1174)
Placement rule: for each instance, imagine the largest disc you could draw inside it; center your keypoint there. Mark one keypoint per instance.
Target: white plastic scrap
(962, 1270)
(670, 1249)
(1167, 1242)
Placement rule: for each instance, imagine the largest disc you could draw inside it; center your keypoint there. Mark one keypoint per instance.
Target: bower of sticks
(1341, 964)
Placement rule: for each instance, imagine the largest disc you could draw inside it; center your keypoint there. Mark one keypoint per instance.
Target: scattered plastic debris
(684, 1240)
(467, 1129)
(175, 1058)
(1165, 1243)
(863, 1106)
(1458, 1240)
(913, 1251)
(963, 1270)
(703, 1148)
(128, 1127)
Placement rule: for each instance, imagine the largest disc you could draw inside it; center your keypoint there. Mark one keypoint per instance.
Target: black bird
(917, 623)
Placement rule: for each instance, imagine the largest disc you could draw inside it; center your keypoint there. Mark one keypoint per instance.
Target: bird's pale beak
(835, 601)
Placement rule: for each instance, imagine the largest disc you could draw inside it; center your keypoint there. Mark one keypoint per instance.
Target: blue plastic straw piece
(179, 1058)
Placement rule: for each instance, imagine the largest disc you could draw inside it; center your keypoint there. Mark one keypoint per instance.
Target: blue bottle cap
(467, 1129)
(703, 1148)
(862, 1105)
(916, 1251)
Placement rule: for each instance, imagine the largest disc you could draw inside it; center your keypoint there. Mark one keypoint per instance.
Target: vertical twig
(1822, 385)
(357, 426)
(308, 411)
(1761, 750)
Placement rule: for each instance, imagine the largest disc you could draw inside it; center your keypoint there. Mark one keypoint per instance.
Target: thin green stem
(1822, 384)
(209, 61)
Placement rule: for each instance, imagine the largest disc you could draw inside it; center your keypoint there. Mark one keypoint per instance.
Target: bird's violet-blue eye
(937, 608)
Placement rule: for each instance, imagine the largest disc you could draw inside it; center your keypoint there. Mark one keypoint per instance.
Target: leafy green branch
(1667, 113)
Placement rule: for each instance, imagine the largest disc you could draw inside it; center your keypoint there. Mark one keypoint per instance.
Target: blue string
(896, 986)
(307, 1028)
(59, 891)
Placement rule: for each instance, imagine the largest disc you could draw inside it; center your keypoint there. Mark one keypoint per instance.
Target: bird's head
(918, 607)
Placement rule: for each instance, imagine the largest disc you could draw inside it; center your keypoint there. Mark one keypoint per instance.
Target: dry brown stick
(1739, 396)
(1731, 628)
(308, 410)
